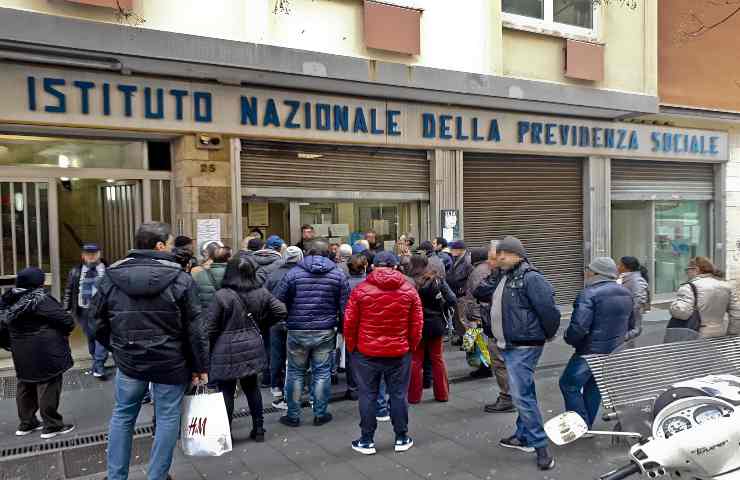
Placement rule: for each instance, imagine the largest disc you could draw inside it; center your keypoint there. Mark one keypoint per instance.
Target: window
(562, 16)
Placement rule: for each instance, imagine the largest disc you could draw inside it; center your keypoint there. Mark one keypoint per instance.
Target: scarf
(89, 277)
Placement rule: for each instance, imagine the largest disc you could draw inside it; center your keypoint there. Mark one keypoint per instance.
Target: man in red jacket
(382, 325)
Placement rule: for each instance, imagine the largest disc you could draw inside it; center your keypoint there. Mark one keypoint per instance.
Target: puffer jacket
(436, 296)
(716, 297)
(265, 261)
(39, 331)
(384, 316)
(147, 313)
(457, 276)
(315, 293)
(602, 315)
(236, 352)
(530, 316)
(209, 280)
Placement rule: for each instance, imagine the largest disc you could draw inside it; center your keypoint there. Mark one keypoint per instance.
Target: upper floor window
(566, 16)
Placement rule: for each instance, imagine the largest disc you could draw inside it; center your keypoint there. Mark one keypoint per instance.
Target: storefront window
(70, 153)
(680, 230)
(338, 221)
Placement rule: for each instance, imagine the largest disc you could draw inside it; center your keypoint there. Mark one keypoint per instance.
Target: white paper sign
(339, 229)
(321, 229)
(208, 229)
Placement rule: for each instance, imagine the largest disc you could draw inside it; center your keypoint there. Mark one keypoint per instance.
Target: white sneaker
(387, 418)
(23, 433)
(280, 404)
(276, 392)
(62, 431)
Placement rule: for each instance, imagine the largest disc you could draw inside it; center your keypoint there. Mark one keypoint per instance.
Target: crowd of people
(292, 318)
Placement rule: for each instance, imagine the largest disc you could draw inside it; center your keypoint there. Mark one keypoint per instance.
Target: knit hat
(457, 245)
(385, 259)
(274, 242)
(604, 266)
(255, 244)
(293, 255)
(31, 277)
(512, 245)
(478, 254)
(345, 250)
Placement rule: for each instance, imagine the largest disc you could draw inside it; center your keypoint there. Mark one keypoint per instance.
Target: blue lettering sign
(205, 99)
(61, 106)
(522, 130)
(428, 126)
(564, 130)
(106, 99)
(323, 116)
(360, 124)
(621, 143)
(444, 127)
(31, 84)
(634, 144)
(474, 130)
(307, 115)
(536, 133)
(655, 140)
(583, 137)
(148, 111)
(180, 94)
(374, 129)
(294, 105)
(341, 118)
(550, 133)
(494, 135)
(271, 114)
(596, 138)
(459, 129)
(609, 137)
(713, 147)
(392, 122)
(128, 94)
(84, 94)
(249, 110)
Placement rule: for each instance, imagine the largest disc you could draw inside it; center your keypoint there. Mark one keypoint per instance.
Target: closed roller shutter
(538, 200)
(328, 167)
(633, 179)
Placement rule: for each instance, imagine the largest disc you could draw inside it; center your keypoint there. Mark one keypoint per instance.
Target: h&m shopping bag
(204, 425)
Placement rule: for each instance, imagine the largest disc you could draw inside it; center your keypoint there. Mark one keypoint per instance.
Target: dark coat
(147, 313)
(315, 292)
(276, 275)
(530, 316)
(265, 262)
(457, 276)
(71, 297)
(436, 297)
(237, 348)
(446, 260)
(602, 315)
(39, 330)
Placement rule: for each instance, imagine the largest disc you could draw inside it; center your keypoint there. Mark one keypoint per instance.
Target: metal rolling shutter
(661, 180)
(538, 200)
(330, 167)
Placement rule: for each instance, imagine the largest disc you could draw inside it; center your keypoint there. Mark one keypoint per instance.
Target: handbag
(694, 321)
(205, 430)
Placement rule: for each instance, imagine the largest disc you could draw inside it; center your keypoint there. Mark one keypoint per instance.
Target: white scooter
(695, 433)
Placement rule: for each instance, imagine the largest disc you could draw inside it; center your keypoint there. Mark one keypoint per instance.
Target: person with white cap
(603, 313)
(523, 318)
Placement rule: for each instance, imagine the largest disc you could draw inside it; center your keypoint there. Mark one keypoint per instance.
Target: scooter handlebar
(621, 473)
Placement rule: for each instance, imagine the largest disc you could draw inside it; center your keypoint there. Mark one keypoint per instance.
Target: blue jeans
(520, 364)
(278, 342)
(370, 372)
(167, 405)
(312, 348)
(97, 351)
(382, 408)
(579, 389)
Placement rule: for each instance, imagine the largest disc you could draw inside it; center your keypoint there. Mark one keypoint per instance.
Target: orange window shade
(392, 28)
(584, 60)
(126, 4)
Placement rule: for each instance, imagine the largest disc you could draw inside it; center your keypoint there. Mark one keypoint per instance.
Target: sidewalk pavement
(87, 402)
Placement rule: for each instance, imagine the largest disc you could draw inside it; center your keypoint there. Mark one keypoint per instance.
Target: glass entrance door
(24, 223)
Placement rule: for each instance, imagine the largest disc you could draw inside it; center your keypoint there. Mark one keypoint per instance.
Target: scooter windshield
(631, 379)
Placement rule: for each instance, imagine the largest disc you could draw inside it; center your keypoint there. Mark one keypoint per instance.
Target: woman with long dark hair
(634, 277)
(240, 311)
(435, 296)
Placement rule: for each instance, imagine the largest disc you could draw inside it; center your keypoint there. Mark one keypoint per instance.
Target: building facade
(526, 118)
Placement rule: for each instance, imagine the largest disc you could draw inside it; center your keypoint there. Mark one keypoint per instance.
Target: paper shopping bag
(205, 430)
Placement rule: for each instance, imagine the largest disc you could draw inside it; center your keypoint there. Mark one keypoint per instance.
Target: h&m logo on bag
(197, 426)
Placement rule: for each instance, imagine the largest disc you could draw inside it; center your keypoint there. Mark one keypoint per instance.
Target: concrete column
(203, 187)
(596, 208)
(446, 186)
(730, 198)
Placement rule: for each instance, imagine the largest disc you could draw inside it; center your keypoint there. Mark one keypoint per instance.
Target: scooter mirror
(566, 428)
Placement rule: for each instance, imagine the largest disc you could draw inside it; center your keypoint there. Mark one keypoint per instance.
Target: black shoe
(47, 434)
(545, 461)
(319, 421)
(364, 447)
(482, 373)
(27, 430)
(289, 422)
(516, 444)
(427, 385)
(257, 434)
(350, 395)
(501, 406)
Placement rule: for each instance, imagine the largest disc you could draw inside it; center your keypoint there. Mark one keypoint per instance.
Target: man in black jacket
(82, 284)
(148, 314)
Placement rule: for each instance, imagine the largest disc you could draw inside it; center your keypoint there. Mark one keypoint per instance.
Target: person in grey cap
(523, 317)
(603, 313)
(82, 284)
